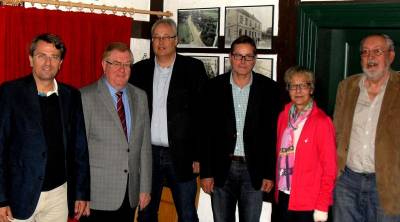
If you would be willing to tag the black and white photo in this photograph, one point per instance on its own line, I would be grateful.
(211, 64)
(198, 28)
(254, 21)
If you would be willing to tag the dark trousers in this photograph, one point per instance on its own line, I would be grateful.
(124, 214)
(286, 215)
(183, 193)
(237, 190)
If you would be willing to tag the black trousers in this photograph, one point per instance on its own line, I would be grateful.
(286, 215)
(124, 214)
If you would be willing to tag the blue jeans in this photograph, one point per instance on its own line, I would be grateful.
(237, 189)
(356, 199)
(183, 193)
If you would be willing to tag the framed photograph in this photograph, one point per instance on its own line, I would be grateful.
(140, 49)
(254, 21)
(198, 28)
(211, 64)
(264, 65)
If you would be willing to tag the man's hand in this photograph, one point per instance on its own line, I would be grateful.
(81, 208)
(267, 185)
(5, 214)
(144, 200)
(196, 167)
(207, 184)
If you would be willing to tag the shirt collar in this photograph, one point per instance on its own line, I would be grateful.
(168, 67)
(49, 93)
(112, 90)
(234, 84)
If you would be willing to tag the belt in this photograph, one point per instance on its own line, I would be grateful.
(159, 147)
(241, 159)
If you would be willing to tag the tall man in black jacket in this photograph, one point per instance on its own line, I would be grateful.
(173, 83)
(240, 111)
(44, 159)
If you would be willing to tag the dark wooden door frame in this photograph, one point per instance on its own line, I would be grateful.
(313, 16)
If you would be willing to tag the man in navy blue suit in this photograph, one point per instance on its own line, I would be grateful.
(44, 165)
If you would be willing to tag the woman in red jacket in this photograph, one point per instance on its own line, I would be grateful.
(306, 153)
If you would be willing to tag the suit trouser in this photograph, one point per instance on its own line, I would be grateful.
(52, 206)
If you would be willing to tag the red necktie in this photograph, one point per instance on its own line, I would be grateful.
(121, 112)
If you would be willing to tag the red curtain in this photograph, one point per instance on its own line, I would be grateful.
(85, 35)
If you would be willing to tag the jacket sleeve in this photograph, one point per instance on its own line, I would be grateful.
(199, 84)
(4, 134)
(145, 151)
(79, 151)
(339, 108)
(327, 157)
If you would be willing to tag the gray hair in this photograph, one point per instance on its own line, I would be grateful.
(165, 21)
(299, 70)
(388, 40)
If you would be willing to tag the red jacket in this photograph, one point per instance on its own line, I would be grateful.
(315, 168)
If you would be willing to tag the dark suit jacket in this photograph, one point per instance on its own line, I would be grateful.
(188, 77)
(23, 149)
(259, 131)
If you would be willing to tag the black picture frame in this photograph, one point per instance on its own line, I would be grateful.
(254, 21)
(198, 27)
(211, 64)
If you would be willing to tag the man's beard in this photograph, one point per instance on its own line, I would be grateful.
(374, 75)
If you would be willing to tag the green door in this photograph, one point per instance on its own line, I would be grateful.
(329, 41)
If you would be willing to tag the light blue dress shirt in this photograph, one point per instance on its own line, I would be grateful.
(240, 99)
(159, 123)
(125, 100)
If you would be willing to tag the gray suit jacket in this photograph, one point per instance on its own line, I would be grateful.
(111, 157)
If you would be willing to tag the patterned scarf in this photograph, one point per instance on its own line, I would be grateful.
(287, 152)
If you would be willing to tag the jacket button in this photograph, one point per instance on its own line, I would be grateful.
(127, 150)
(43, 154)
(40, 178)
(125, 171)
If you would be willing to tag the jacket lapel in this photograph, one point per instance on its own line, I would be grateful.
(109, 104)
(133, 110)
(32, 101)
(388, 102)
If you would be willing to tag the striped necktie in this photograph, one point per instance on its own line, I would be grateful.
(121, 112)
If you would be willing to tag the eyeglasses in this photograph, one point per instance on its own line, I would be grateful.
(247, 58)
(162, 38)
(300, 86)
(374, 52)
(43, 57)
(119, 64)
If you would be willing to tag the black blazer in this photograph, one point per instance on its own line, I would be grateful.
(188, 78)
(259, 131)
(23, 149)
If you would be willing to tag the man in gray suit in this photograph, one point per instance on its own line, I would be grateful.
(118, 133)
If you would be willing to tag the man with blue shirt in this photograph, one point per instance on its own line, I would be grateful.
(118, 133)
(240, 111)
(172, 83)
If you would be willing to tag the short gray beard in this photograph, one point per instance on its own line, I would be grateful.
(377, 74)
